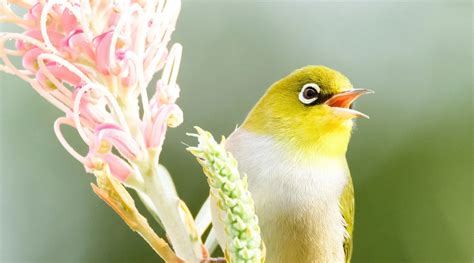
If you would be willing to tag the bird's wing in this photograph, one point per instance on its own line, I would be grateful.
(346, 204)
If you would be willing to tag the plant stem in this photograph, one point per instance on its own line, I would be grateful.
(167, 202)
(118, 198)
(158, 244)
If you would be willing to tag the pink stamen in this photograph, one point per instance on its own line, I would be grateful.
(68, 21)
(118, 167)
(114, 134)
(156, 135)
(57, 130)
(29, 59)
(55, 37)
(102, 46)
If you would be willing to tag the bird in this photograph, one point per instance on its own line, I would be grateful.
(292, 147)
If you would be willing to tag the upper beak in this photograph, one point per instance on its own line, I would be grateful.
(341, 103)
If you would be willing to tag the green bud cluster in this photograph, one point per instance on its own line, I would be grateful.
(244, 243)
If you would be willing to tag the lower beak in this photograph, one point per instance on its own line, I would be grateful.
(341, 103)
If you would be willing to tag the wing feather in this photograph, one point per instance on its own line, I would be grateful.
(347, 207)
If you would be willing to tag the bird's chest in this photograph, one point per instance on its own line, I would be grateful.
(297, 204)
(300, 219)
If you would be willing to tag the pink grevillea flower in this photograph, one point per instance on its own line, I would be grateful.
(94, 60)
(107, 136)
(85, 57)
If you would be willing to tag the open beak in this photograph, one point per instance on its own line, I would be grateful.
(341, 103)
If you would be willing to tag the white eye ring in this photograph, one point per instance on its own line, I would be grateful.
(304, 98)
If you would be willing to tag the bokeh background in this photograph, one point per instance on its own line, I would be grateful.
(412, 162)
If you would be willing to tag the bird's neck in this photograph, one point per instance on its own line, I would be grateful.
(326, 139)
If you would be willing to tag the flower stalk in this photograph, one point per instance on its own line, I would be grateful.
(173, 214)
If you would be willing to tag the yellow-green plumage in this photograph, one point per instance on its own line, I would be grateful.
(292, 147)
(311, 129)
(348, 209)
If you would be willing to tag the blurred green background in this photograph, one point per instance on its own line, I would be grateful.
(412, 162)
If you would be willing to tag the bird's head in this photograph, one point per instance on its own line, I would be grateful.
(310, 111)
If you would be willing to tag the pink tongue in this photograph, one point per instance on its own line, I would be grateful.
(341, 102)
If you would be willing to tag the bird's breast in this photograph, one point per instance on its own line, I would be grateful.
(296, 198)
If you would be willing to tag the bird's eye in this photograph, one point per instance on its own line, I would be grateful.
(309, 93)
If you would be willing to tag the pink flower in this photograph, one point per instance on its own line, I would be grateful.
(94, 64)
(117, 137)
(59, 72)
(88, 107)
(34, 13)
(30, 59)
(76, 44)
(54, 36)
(118, 167)
(166, 115)
(94, 60)
(107, 136)
(68, 21)
(102, 48)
